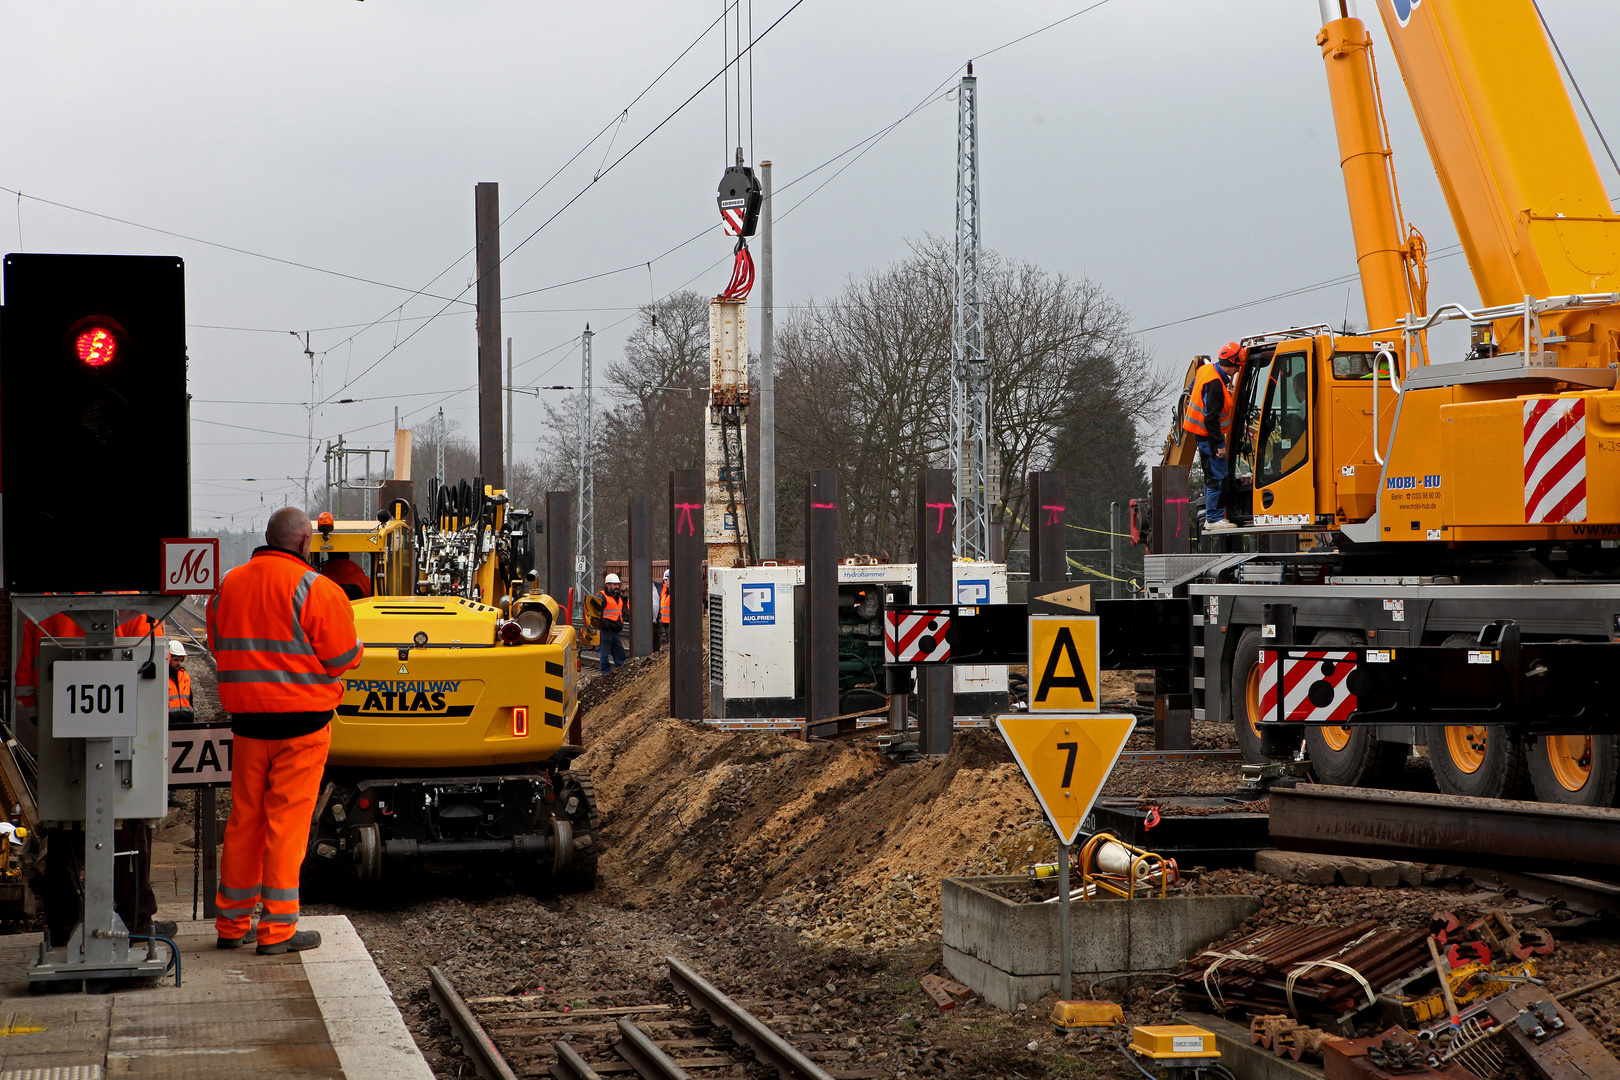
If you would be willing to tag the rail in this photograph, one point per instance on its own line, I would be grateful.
(648, 1057)
(487, 1060)
(1505, 834)
(769, 1047)
(644, 1056)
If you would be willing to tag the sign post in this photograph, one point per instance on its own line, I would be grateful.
(1066, 759)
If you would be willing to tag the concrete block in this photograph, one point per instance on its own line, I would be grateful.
(1381, 873)
(1351, 871)
(1296, 866)
(1308, 868)
(1010, 952)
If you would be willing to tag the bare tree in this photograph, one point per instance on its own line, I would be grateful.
(650, 422)
(864, 385)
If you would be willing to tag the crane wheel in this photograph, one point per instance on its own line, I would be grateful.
(1480, 762)
(1576, 770)
(1243, 696)
(1351, 756)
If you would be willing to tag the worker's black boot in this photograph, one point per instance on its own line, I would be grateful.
(303, 939)
(249, 938)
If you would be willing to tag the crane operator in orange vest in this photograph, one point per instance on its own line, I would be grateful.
(1209, 417)
(610, 646)
(282, 636)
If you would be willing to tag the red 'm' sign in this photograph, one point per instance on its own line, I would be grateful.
(190, 565)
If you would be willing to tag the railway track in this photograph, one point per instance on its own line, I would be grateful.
(656, 1041)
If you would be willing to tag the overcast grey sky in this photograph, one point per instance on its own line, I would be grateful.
(1180, 152)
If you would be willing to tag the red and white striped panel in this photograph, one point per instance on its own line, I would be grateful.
(1313, 686)
(733, 218)
(916, 636)
(1554, 460)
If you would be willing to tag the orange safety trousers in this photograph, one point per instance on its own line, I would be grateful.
(274, 783)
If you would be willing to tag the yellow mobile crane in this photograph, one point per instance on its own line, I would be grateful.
(450, 740)
(1442, 532)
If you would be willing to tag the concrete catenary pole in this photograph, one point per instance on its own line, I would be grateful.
(639, 516)
(687, 594)
(487, 215)
(511, 415)
(560, 548)
(935, 531)
(821, 589)
(767, 374)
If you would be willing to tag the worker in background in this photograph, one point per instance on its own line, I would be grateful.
(610, 647)
(346, 573)
(282, 635)
(133, 898)
(181, 710)
(1209, 417)
(661, 624)
(180, 707)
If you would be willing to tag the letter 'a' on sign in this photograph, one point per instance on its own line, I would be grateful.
(1066, 760)
(1065, 662)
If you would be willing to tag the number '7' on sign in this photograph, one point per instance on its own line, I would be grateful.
(1066, 760)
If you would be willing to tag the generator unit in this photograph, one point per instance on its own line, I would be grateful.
(759, 637)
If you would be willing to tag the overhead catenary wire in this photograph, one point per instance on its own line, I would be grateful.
(575, 198)
(206, 243)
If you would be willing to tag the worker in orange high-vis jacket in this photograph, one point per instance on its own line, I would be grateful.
(609, 645)
(661, 624)
(282, 635)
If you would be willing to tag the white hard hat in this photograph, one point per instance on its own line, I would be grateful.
(611, 579)
(176, 647)
(666, 575)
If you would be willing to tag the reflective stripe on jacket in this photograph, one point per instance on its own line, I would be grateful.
(612, 612)
(1195, 420)
(281, 635)
(180, 689)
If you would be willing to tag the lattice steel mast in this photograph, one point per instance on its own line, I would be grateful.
(585, 541)
(970, 374)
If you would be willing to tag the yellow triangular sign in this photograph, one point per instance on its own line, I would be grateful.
(1066, 760)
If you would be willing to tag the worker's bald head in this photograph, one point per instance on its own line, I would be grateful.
(289, 530)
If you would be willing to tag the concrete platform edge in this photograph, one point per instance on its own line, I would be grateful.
(365, 1025)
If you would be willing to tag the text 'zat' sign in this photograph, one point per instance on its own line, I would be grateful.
(1065, 661)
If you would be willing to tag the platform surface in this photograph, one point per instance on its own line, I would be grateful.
(319, 1015)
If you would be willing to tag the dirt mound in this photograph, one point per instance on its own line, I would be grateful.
(841, 843)
(833, 839)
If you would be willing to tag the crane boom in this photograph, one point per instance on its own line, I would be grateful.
(1518, 175)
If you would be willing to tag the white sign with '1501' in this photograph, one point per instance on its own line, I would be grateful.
(94, 699)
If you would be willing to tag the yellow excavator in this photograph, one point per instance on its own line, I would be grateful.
(1390, 494)
(451, 740)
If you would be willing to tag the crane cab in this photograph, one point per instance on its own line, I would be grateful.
(1305, 443)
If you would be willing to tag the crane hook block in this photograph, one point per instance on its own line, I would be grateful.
(739, 200)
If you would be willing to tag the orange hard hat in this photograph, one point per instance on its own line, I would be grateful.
(1232, 353)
